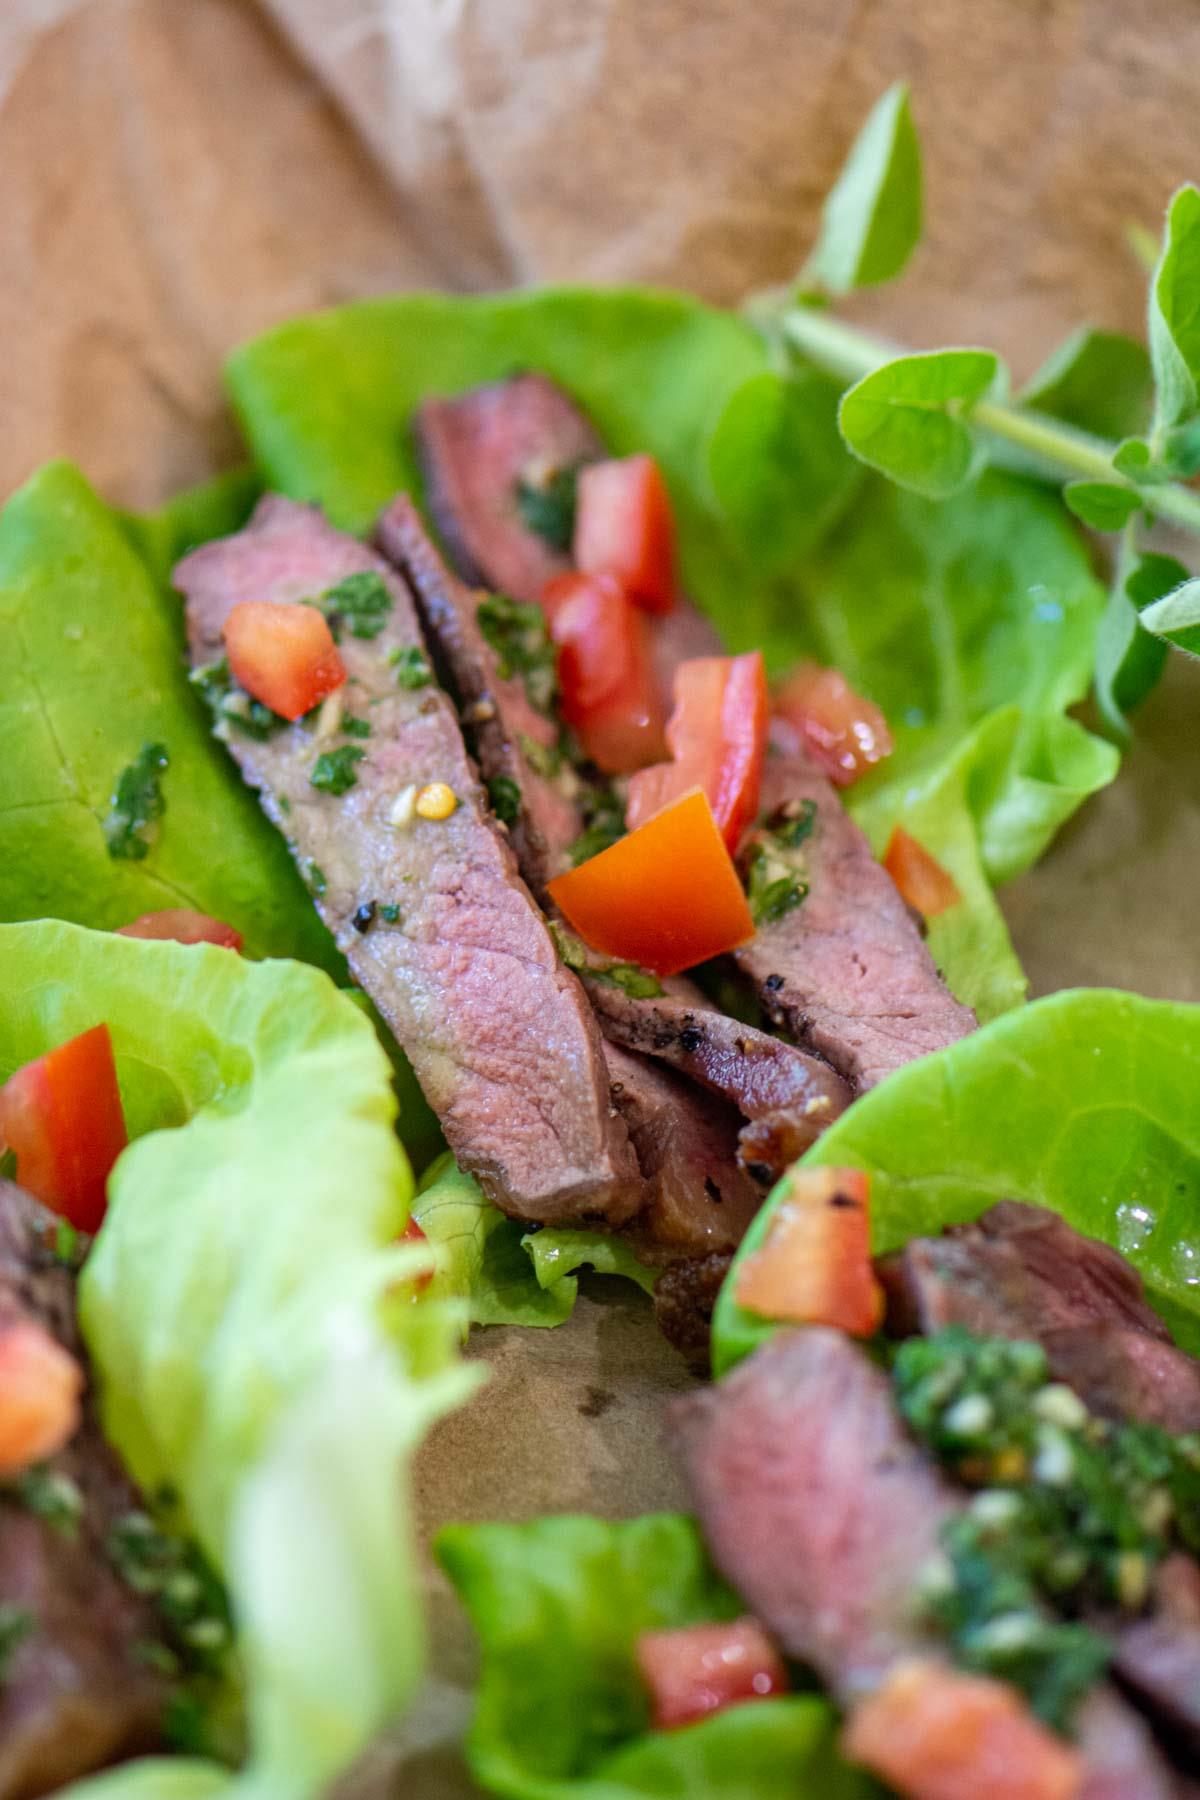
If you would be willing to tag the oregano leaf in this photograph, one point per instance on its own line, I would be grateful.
(1129, 659)
(1104, 505)
(871, 222)
(1175, 314)
(1100, 381)
(1176, 617)
(909, 418)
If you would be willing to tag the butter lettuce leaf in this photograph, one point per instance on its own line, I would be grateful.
(93, 670)
(1083, 1102)
(558, 1605)
(250, 1317)
(503, 1273)
(946, 614)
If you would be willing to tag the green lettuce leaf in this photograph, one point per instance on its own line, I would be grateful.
(92, 671)
(240, 1304)
(503, 1273)
(213, 509)
(558, 1605)
(945, 614)
(1083, 1102)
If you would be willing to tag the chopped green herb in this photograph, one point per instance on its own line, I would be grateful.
(173, 1573)
(545, 760)
(390, 913)
(360, 603)
(137, 804)
(356, 728)
(52, 1497)
(1074, 1515)
(156, 1656)
(505, 797)
(604, 814)
(66, 1243)
(547, 507)
(285, 805)
(334, 770)
(232, 705)
(792, 828)
(8, 1165)
(631, 979)
(314, 877)
(772, 888)
(411, 666)
(517, 633)
(15, 1626)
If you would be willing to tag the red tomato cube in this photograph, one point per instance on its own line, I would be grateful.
(814, 1265)
(61, 1116)
(181, 925)
(922, 881)
(624, 527)
(283, 655)
(702, 1668)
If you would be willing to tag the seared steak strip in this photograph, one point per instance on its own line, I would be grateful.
(1022, 1272)
(1158, 1658)
(845, 972)
(821, 1512)
(788, 1096)
(477, 452)
(430, 913)
(77, 1692)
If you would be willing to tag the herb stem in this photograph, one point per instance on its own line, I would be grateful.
(1059, 449)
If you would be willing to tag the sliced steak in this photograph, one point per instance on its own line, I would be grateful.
(846, 972)
(684, 1297)
(76, 1692)
(816, 1504)
(820, 1510)
(507, 730)
(1022, 1272)
(476, 450)
(1157, 1658)
(701, 1199)
(787, 1096)
(465, 973)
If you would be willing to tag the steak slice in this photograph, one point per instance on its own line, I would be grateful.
(816, 1504)
(701, 1200)
(507, 730)
(76, 1693)
(475, 451)
(1022, 1272)
(465, 972)
(846, 972)
(787, 1096)
(684, 1297)
(820, 1510)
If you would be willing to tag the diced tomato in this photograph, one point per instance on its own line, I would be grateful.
(61, 1116)
(814, 1266)
(703, 1668)
(412, 1234)
(284, 656)
(717, 736)
(667, 896)
(845, 732)
(180, 925)
(40, 1389)
(608, 692)
(921, 880)
(935, 1733)
(624, 527)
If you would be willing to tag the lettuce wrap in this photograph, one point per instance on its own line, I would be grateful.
(251, 1321)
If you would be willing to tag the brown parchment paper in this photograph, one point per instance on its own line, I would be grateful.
(177, 174)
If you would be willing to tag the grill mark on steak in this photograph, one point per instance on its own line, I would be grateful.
(846, 972)
(1022, 1272)
(474, 450)
(76, 1694)
(820, 1510)
(499, 1033)
(787, 1096)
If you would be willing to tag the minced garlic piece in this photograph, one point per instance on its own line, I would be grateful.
(436, 801)
(403, 808)
(329, 719)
